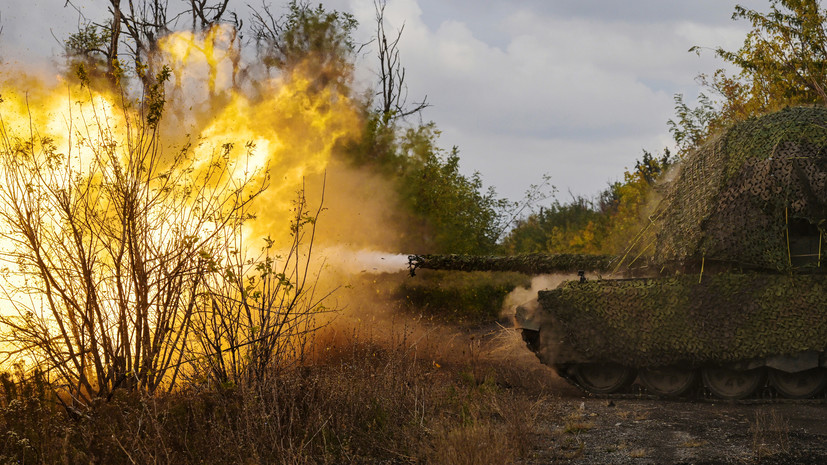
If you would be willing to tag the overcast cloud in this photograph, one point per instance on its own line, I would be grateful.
(573, 88)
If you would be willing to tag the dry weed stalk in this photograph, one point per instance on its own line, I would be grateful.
(770, 433)
(256, 314)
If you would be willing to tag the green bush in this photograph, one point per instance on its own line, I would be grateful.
(458, 297)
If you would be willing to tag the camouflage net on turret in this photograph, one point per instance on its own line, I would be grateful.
(726, 317)
(733, 199)
(532, 264)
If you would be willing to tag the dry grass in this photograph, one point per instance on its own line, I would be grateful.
(770, 433)
(571, 447)
(633, 415)
(638, 453)
(577, 426)
(570, 444)
(471, 445)
(358, 402)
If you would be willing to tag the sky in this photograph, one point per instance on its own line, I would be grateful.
(572, 89)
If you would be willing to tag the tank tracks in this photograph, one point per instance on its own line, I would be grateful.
(763, 396)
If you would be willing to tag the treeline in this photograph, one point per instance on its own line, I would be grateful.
(440, 209)
(783, 62)
(592, 226)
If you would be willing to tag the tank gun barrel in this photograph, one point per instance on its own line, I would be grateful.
(528, 264)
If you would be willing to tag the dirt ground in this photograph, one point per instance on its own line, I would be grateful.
(575, 428)
(572, 427)
(581, 430)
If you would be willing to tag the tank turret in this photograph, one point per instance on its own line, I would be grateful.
(755, 197)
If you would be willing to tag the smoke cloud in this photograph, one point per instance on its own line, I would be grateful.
(527, 297)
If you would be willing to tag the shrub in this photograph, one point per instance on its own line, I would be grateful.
(467, 297)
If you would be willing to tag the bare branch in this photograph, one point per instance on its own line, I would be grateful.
(394, 91)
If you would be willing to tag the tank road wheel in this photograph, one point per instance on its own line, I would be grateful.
(732, 384)
(669, 381)
(604, 378)
(801, 385)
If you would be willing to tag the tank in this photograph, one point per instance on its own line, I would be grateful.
(724, 287)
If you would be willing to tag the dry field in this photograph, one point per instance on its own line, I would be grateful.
(418, 393)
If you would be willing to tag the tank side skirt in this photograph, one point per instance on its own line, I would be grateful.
(727, 319)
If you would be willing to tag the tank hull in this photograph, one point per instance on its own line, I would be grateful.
(742, 322)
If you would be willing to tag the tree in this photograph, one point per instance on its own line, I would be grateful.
(573, 227)
(206, 14)
(138, 26)
(693, 124)
(88, 54)
(318, 40)
(394, 91)
(456, 214)
(782, 62)
(114, 240)
(377, 144)
(784, 57)
(601, 226)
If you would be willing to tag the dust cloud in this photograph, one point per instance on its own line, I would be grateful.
(347, 261)
(523, 295)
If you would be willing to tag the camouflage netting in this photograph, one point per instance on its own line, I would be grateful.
(727, 317)
(528, 264)
(754, 198)
(734, 198)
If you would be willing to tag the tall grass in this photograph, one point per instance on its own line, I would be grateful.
(770, 434)
(358, 401)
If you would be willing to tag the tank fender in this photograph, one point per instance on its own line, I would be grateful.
(794, 363)
(745, 365)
